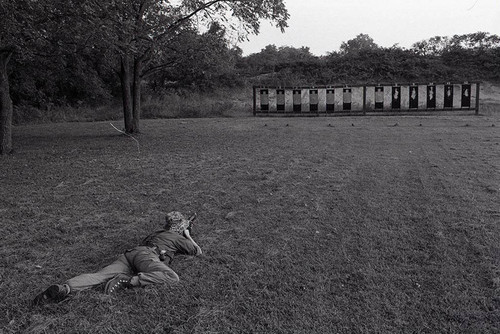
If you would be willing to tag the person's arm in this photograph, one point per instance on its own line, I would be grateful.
(188, 236)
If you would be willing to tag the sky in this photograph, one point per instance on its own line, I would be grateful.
(322, 25)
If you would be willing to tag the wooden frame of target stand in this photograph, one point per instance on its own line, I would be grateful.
(373, 99)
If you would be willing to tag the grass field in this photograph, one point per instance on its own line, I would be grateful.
(324, 225)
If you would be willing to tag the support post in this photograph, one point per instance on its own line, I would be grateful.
(477, 97)
(254, 101)
(364, 100)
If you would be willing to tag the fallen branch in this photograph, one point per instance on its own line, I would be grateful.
(137, 142)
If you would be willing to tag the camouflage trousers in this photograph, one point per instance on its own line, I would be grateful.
(141, 261)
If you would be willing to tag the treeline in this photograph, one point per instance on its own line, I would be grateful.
(203, 62)
(473, 56)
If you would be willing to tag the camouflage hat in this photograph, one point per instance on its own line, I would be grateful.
(178, 223)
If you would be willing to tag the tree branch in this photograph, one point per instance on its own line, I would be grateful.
(181, 20)
(158, 68)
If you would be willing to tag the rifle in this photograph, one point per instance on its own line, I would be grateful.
(190, 221)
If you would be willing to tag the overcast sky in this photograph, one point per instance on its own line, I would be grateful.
(322, 25)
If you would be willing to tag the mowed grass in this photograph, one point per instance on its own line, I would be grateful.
(323, 225)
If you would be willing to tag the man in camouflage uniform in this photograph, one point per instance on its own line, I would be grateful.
(143, 265)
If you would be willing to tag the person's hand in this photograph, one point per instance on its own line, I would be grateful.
(188, 236)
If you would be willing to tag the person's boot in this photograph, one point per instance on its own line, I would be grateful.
(53, 294)
(117, 283)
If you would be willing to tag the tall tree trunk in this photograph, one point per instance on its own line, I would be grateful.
(126, 94)
(5, 105)
(137, 94)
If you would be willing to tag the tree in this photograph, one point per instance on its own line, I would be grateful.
(288, 54)
(14, 16)
(432, 47)
(472, 56)
(195, 60)
(437, 45)
(272, 59)
(33, 29)
(140, 32)
(475, 41)
(136, 35)
(5, 103)
(362, 42)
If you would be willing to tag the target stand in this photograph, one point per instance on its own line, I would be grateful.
(393, 98)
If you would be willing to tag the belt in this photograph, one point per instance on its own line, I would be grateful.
(156, 249)
(162, 254)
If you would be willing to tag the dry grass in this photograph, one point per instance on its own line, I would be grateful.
(369, 225)
(221, 102)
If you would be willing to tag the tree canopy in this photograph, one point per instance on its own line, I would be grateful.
(89, 39)
(362, 42)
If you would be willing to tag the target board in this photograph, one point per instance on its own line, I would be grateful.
(376, 98)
